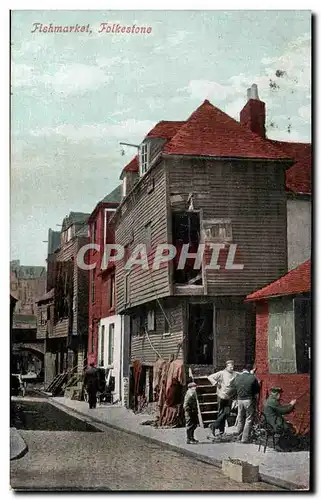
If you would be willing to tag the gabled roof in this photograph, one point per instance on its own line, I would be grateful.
(295, 282)
(113, 197)
(211, 132)
(132, 166)
(74, 218)
(298, 177)
(47, 296)
(165, 129)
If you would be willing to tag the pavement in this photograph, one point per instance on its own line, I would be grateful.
(18, 446)
(285, 470)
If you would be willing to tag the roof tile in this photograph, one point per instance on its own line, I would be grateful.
(211, 132)
(298, 177)
(294, 282)
(165, 129)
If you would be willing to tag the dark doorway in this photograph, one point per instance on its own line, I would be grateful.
(302, 308)
(186, 230)
(200, 334)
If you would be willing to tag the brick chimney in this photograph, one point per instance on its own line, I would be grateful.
(253, 113)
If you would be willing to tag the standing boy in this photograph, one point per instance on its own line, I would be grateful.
(191, 415)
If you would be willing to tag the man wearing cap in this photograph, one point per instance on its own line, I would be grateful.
(222, 380)
(191, 415)
(274, 412)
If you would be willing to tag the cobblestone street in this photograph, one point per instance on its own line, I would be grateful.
(112, 460)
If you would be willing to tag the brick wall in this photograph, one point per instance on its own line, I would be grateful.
(100, 308)
(295, 386)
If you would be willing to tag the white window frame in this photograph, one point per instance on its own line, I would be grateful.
(111, 344)
(144, 151)
(69, 234)
(101, 354)
(207, 223)
(151, 324)
(124, 186)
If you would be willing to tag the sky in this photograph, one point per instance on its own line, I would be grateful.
(75, 96)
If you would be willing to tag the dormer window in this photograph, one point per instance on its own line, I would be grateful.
(124, 186)
(144, 158)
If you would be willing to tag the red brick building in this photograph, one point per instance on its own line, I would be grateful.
(283, 339)
(104, 327)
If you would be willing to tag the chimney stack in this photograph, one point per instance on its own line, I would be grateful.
(253, 113)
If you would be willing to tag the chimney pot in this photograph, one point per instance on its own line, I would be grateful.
(254, 92)
(253, 113)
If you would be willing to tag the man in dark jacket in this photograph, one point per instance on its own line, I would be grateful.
(246, 387)
(191, 414)
(91, 384)
(274, 412)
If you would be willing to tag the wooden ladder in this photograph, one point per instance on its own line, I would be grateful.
(206, 397)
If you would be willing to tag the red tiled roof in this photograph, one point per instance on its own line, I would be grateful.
(298, 177)
(162, 130)
(132, 166)
(296, 281)
(165, 129)
(211, 132)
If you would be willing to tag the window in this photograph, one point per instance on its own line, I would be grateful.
(218, 230)
(111, 344)
(112, 292)
(136, 325)
(124, 187)
(102, 346)
(151, 320)
(148, 236)
(144, 158)
(48, 312)
(166, 325)
(186, 231)
(69, 233)
(93, 286)
(302, 311)
(289, 335)
(43, 317)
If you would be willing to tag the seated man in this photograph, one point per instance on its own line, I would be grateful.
(274, 412)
